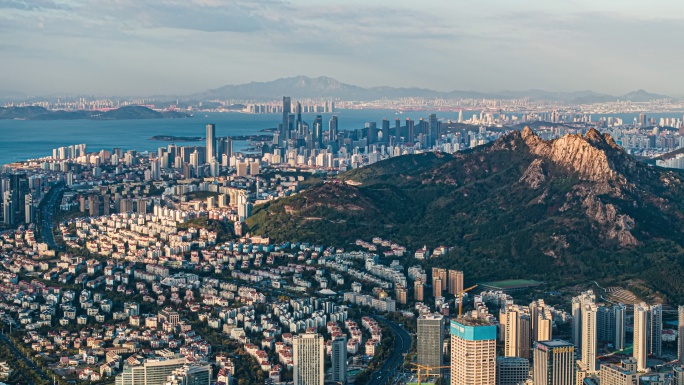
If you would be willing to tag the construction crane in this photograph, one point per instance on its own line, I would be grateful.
(460, 299)
(426, 371)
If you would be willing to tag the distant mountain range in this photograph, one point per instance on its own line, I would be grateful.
(325, 87)
(128, 112)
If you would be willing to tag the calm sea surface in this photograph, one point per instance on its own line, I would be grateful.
(26, 139)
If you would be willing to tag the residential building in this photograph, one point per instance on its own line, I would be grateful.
(473, 352)
(308, 362)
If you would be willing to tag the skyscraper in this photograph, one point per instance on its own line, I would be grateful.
(434, 129)
(473, 352)
(339, 359)
(641, 335)
(554, 363)
(385, 130)
(411, 133)
(619, 312)
(430, 338)
(577, 307)
(298, 113)
(656, 330)
(211, 142)
(332, 129)
(680, 335)
(7, 208)
(308, 361)
(372, 132)
(542, 321)
(285, 126)
(29, 211)
(317, 134)
(515, 321)
(589, 337)
(225, 147)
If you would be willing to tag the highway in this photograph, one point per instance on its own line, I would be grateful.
(21, 356)
(46, 216)
(402, 344)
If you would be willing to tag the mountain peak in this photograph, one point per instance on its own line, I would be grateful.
(590, 156)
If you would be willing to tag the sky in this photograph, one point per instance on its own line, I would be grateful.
(175, 47)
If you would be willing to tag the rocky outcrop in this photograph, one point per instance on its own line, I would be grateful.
(592, 157)
(616, 226)
(587, 155)
(534, 175)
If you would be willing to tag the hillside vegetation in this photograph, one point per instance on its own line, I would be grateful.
(563, 211)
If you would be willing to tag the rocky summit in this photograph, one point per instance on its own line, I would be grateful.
(568, 210)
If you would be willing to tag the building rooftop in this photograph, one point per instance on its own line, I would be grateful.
(470, 321)
(555, 343)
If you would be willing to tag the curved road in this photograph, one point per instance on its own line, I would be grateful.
(402, 344)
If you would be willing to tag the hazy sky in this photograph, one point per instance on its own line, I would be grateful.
(144, 47)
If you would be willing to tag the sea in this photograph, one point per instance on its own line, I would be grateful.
(30, 139)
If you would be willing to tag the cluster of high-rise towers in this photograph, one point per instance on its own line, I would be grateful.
(293, 132)
(532, 356)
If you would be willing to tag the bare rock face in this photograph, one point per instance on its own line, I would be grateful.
(617, 226)
(585, 155)
(589, 157)
(534, 175)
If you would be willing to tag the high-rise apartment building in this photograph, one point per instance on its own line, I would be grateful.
(455, 281)
(339, 359)
(578, 303)
(401, 295)
(641, 331)
(430, 338)
(680, 335)
(437, 285)
(605, 319)
(619, 312)
(473, 352)
(211, 142)
(29, 210)
(589, 337)
(308, 360)
(418, 289)
(656, 330)
(554, 363)
(515, 321)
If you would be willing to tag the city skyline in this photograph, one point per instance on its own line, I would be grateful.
(488, 47)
